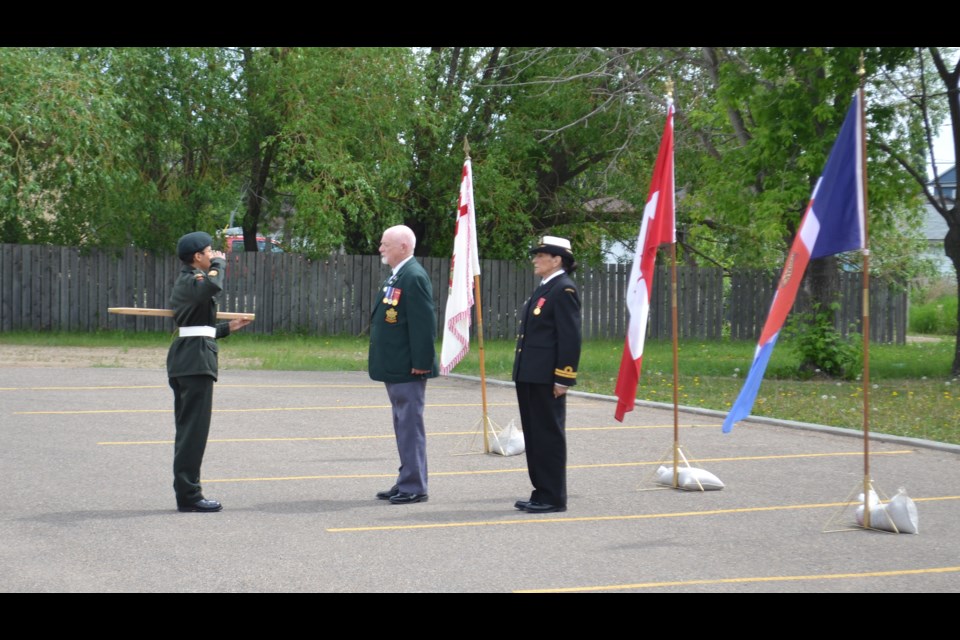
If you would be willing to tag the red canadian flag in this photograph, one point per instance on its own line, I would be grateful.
(657, 228)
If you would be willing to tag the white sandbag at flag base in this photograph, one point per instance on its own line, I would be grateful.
(508, 442)
(898, 516)
(689, 478)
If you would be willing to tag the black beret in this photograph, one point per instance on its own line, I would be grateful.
(193, 242)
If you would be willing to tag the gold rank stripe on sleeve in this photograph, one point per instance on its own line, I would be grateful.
(566, 372)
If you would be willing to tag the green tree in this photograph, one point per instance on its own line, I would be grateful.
(548, 145)
(930, 91)
(343, 155)
(180, 106)
(116, 146)
(64, 150)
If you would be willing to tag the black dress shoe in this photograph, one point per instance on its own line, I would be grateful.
(389, 493)
(540, 507)
(202, 506)
(522, 504)
(408, 498)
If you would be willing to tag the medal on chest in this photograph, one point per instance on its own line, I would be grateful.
(539, 306)
(391, 296)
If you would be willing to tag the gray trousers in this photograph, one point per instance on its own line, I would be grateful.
(407, 401)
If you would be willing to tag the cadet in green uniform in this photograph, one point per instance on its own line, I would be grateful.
(544, 367)
(192, 362)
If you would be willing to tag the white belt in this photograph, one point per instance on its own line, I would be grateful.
(189, 332)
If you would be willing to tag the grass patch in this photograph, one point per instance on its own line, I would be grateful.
(936, 317)
(911, 392)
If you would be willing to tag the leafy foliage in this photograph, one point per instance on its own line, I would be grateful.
(937, 316)
(326, 146)
(821, 348)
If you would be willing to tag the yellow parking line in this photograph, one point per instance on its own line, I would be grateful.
(566, 520)
(354, 476)
(219, 386)
(747, 580)
(98, 388)
(258, 410)
(602, 465)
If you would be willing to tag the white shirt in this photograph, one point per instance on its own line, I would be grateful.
(551, 276)
(403, 262)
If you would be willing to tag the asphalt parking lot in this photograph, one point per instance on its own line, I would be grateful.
(296, 458)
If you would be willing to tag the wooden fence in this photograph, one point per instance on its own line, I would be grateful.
(46, 288)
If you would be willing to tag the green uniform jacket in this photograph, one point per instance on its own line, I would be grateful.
(194, 305)
(402, 335)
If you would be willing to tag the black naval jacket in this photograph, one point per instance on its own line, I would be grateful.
(194, 305)
(548, 341)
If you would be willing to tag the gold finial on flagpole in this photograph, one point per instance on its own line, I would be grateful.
(670, 89)
(466, 146)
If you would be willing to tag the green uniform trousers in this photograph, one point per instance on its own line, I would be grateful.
(192, 406)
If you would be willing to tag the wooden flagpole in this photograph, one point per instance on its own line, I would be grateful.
(476, 293)
(676, 366)
(483, 374)
(866, 304)
(676, 348)
(479, 308)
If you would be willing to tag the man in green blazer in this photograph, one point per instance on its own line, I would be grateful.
(403, 330)
(192, 365)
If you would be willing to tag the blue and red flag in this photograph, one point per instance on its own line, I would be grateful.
(833, 223)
